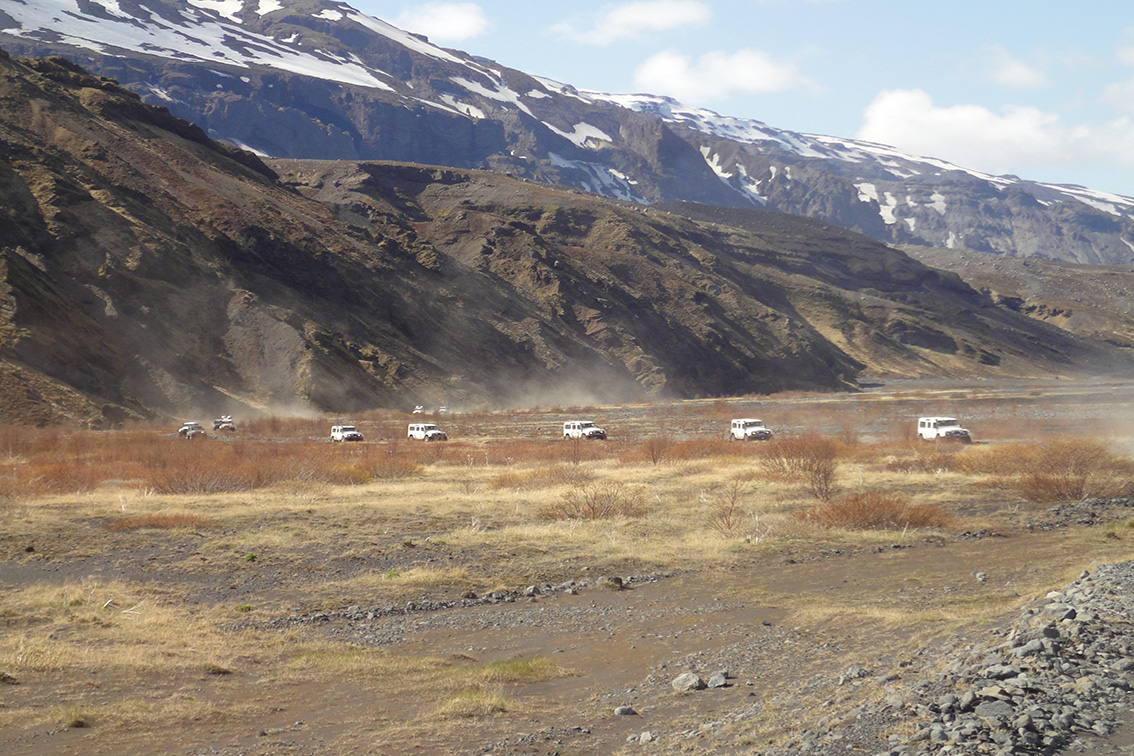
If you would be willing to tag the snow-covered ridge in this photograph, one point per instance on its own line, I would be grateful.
(900, 165)
(217, 32)
(204, 30)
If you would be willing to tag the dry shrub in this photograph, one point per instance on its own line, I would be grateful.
(926, 458)
(1003, 460)
(727, 513)
(393, 468)
(197, 479)
(596, 500)
(874, 510)
(810, 459)
(1057, 469)
(1073, 469)
(706, 448)
(542, 477)
(523, 452)
(345, 473)
(656, 449)
(160, 520)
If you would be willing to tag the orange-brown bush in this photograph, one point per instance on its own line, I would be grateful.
(1072, 469)
(656, 449)
(874, 510)
(596, 500)
(808, 458)
(1065, 468)
(163, 520)
(706, 448)
(922, 457)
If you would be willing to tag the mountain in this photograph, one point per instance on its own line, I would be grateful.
(320, 80)
(147, 270)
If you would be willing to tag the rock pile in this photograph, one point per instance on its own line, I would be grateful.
(1064, 670)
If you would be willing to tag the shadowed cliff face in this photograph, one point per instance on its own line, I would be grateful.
(146, 270)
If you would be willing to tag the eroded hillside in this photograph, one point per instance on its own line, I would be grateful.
(149, 271)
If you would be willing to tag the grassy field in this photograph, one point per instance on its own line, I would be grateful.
(144, 576)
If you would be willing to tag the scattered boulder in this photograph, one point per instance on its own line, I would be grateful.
(610, 583)
(686, 682)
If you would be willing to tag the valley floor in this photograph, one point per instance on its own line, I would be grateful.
(439, 614)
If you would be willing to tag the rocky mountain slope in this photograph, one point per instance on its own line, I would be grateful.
(149, 270)
(318, 79)
(1092, 301)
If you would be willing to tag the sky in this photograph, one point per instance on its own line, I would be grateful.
(1042, 89)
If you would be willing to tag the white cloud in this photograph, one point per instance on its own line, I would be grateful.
(1009, 71)
(635, 20)
(716, 75)
(1120, 95)
(444, 22)
(1021, 140)
(1124, 53)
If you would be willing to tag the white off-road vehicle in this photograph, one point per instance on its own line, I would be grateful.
(942, 429)
(426, 432)
(583, 429)
(749, 429)
(345, 433)
(191, 429)
(224, 424)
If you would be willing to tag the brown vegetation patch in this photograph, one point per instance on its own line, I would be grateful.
(875, 510)
(160, 520)
(598, 500)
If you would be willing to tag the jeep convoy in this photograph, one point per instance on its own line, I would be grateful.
(749, 429)
(426, 432)
(933, 428)
(942, 429)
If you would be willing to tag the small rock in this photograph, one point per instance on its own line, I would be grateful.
(624, 711)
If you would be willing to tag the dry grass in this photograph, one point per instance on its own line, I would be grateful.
(385, 522)
(160, 520)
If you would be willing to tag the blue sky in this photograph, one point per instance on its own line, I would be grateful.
(1041, 89)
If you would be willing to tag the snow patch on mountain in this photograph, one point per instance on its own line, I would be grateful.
(226, 8)
(472, 111)
(598, 178)
(582, 134)
(714, 162)
(501, 94)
